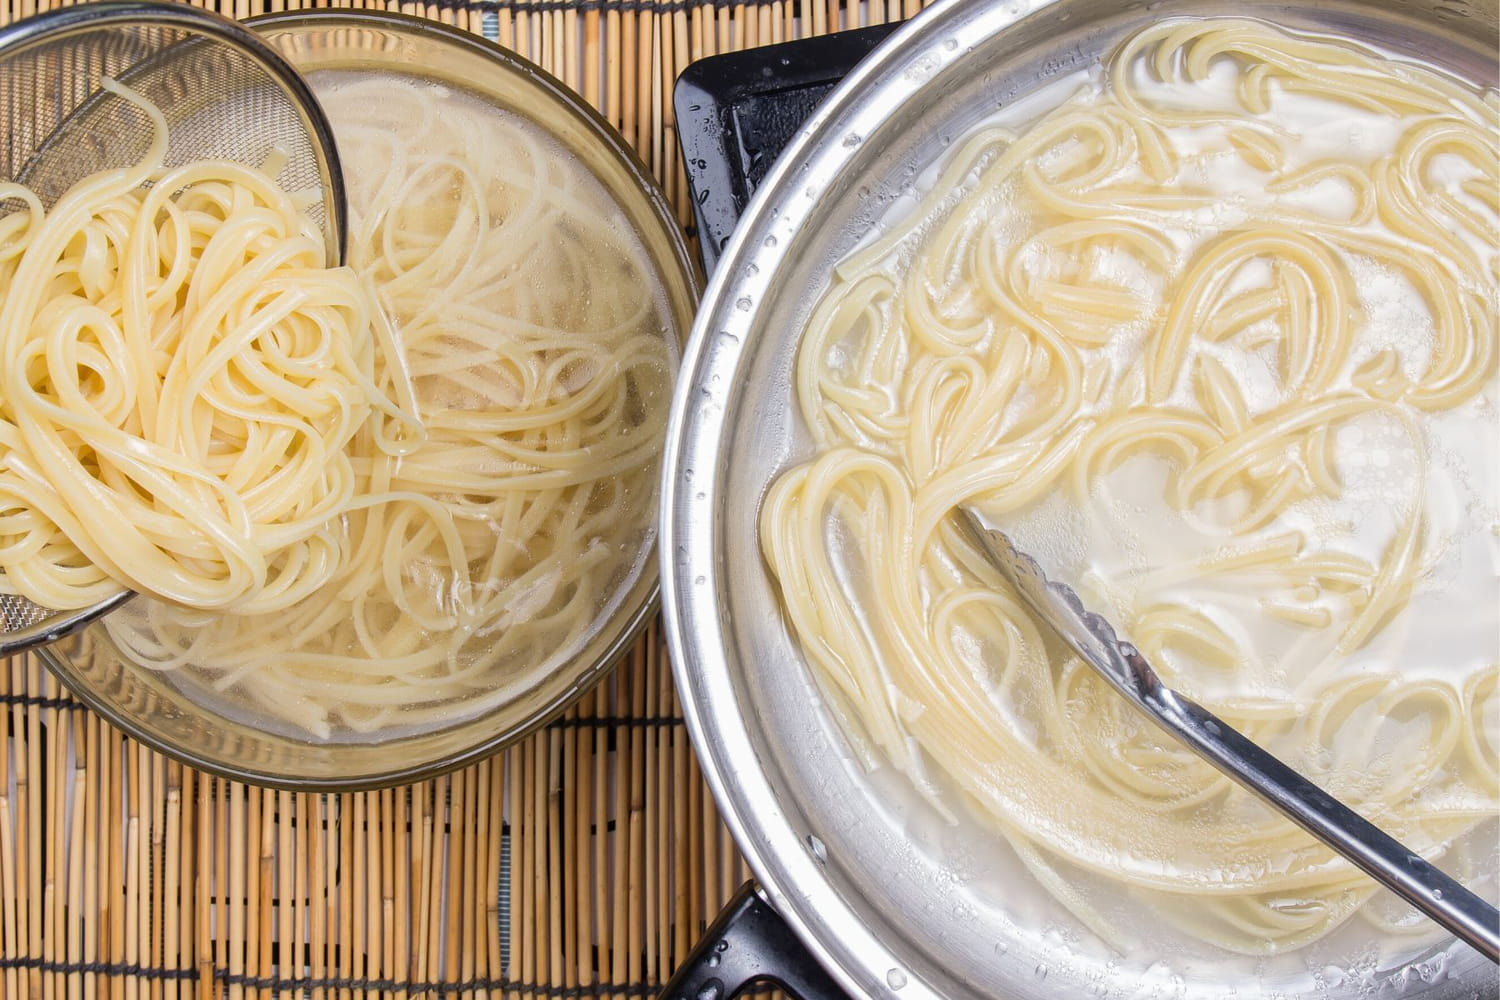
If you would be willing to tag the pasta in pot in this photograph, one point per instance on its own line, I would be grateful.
(1217, 337)
(502, 511)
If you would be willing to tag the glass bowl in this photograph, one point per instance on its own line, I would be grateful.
(183, 717)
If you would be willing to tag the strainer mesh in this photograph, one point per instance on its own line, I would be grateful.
(217, 94)
(219, 102)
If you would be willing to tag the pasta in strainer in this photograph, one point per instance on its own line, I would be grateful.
(182, 374)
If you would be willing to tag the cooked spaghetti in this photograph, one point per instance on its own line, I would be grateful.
(501, 511)
(182, 375)
(1217, 339)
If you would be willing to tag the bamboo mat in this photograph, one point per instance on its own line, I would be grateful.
(583, 862)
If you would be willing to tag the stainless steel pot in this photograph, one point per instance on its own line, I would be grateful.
(891, 899)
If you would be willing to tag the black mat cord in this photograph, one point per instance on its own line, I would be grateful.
(305, 983)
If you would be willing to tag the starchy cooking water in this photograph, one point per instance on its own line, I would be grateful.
(1211, 331)
(505, 482)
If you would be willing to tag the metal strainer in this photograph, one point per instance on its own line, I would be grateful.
(225, 95)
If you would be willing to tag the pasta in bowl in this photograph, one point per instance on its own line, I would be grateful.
(493, 549)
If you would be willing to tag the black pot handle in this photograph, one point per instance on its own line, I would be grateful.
(749, 944)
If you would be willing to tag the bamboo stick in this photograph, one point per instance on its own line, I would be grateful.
(11, 757)
(401, 862)
(315, 848)
(537, 836)
(636, 818)
(569, 66)
(648, 115)
(265, 886)
(52, 929)
(479, 883)
(222, 837)
(700, 892)
(579, 767)
(599, 816)
(459, 822)
(112, 893)
(129, 914)
(572, 793)
(204, 840)
(91, 734)
(191, 874)
(629, 67)
(245, 885)
(235, 891)
(34, 815)
(422, 832)
(516, 902)
(286, 880)
(356, 883)
(155, 810)
(681, 54)
(593, 60)
(372, 954)
(170, 871)
(299, 958)
(656, 868)
(685, 854)
(552, 874)
(494, 846)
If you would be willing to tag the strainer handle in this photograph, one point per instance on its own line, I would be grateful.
(58, 626)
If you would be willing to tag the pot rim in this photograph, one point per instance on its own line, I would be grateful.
(694, 574)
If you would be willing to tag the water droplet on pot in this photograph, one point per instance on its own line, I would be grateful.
(895, 979)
